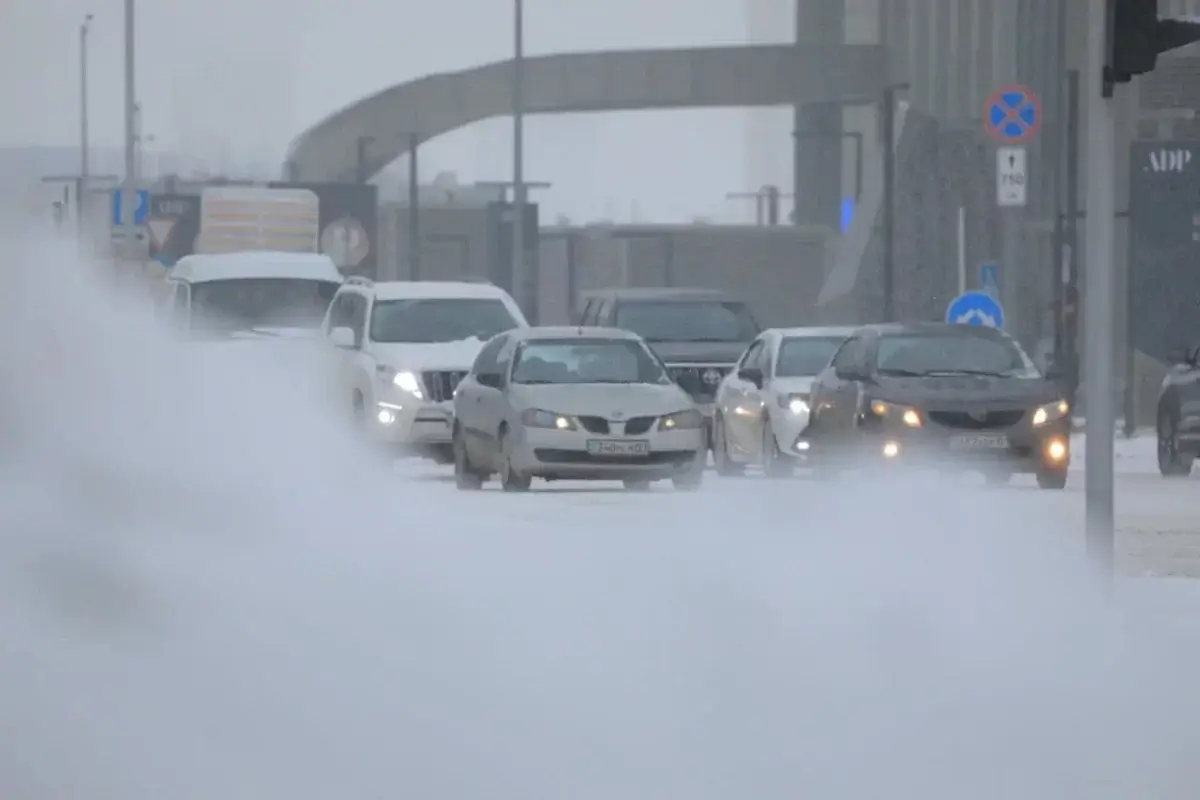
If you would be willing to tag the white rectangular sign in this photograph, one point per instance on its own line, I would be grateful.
(1012, 177)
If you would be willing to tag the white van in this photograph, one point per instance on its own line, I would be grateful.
(264, 293)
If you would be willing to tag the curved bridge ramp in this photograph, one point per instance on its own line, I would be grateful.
(383, 125)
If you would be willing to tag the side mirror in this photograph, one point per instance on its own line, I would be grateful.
(850, 373)
(752, 375)
(488, 379)
(342, 337)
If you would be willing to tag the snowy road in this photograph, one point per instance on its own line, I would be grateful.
(1158, 521)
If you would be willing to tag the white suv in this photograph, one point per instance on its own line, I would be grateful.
(405, 345)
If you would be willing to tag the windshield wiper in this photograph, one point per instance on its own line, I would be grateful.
(902, 373)
(987, 373)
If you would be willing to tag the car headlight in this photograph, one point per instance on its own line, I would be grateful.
(1050, 412)
(797, 404)
(691, 419)
(909, 416)
(407, 382)
(537, 418)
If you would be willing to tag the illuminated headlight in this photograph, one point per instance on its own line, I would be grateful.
(407, 382)
(909, 416)
(682, 421)
(1051, 412)
(797, 404)
(536, 418)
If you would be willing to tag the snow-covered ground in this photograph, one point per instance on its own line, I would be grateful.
(1131, 456)
(212, 591)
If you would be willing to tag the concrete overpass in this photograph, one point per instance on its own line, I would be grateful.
(380, 128)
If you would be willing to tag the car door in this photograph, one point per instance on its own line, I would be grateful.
(744, 402)
(469, 408)
(1187, 389)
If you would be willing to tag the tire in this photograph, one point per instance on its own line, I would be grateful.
(510, 479)
(358, 411)
(726, 467)
(637, 486)
(773, 463)
(1171, 463)
(1052, 479)
(441, 454)
(465, 475)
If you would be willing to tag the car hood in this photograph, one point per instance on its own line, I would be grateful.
(675, 353)
(792, 385)
(967, 390)
(603, 400)
(456, 356)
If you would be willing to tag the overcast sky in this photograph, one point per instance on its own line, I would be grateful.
(235, 80)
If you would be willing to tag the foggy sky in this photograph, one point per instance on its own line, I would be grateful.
(230, 80)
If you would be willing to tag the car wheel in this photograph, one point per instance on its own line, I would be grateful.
(773, 463)
(637, 486)
(1171, 462)
(465, 476)
(1052, 478)
(510, 479)
(726, 467)
(358, 411)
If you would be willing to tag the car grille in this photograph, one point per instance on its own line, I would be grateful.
(634, 426)
(977, 421)
(440, 384)
(700, 380)
(594, 424)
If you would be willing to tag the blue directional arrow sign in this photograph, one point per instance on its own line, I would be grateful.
(975, 308)
(140, 214)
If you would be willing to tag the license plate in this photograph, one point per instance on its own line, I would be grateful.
(617, 447)
(980, 441)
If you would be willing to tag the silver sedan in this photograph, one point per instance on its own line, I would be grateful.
(762, 405)
(574, 403)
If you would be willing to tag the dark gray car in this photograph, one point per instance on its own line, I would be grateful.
(698, 333)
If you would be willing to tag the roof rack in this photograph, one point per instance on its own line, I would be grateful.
(359, 280)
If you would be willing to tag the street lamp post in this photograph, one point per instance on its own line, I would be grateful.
(81, 190)
(518, 90)
(129, 189)
(889, 200)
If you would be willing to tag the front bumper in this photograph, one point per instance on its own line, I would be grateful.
(566, 455)
(1021, 448)
(411, 422)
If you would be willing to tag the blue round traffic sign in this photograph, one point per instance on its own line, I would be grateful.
(975, 308)
(1013, 114)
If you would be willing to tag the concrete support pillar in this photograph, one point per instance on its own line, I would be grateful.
(817, 130)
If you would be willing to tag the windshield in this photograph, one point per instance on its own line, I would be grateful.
(425, 321)
(239, 304)
(804, 356)
(698, 321)
(572, 361)
(957, 354)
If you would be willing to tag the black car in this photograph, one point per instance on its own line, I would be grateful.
(946, 394)
(698, 333)
(1178, 416)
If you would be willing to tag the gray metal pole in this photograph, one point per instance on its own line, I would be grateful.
(518, 112)
(84, 135)
(1071, 234)
(414, 209)
(889, 204)
(129, 190)
(1099, 299)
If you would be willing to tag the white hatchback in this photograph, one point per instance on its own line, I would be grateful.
(574, 403)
